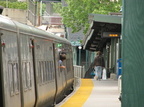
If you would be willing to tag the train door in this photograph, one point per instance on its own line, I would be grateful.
(10, 92)
(63, 72)
(27, 69)
(44, 71)
(60, 76)
(65, 62)
(27, 85)
(1, 76)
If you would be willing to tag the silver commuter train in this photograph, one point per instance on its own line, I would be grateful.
(30, 75)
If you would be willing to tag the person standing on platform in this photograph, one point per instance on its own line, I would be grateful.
(99, 65)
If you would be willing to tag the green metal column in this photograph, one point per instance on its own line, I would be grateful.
(112, 55)
(133, 54)
(79, 59)
(86, 66)
(74, 55)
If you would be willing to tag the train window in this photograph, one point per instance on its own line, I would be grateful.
(13, 78)
(39, 71)
(49, 71)
(16, 82)
(10, 72)
(49, 76)
(52, 70)
(24, 75)
(28, 74)
(44, 72)
(46, 68)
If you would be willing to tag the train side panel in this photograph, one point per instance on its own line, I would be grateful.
(60, 73)
(28, 85)
(10, 69)
(45, 72)
(64, 77)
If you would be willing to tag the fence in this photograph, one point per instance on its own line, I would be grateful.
(79, 71)
(32, 12)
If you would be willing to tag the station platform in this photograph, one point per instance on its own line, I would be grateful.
(93, 93)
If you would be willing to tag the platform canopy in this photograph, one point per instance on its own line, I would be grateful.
(102, 29)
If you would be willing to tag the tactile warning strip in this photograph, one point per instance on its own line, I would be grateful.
(81, 95)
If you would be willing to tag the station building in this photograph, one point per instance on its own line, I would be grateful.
(104, 35)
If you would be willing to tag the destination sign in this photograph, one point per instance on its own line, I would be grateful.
(110, 34)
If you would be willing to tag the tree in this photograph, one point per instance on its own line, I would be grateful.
(14, 5)
(75, 15)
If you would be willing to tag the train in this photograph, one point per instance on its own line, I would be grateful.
(30, 75)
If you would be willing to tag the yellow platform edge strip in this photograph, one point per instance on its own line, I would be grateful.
(81, 95)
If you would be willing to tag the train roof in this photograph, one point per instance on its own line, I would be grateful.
(11, 25)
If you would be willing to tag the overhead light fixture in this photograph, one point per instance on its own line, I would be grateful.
(93, 48)
(79, 47)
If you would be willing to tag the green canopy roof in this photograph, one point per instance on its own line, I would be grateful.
(106, 18)
(93, 40)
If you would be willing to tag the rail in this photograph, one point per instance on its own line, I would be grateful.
(79, 71)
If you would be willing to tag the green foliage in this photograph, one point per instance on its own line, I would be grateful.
(43, 8)
(75, 15)
(57, 7)
(14, 5)
(2, 3)
(10, 0)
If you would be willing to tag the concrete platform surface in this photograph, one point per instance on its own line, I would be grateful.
(103, 93)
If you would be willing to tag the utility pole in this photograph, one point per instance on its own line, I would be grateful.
(6, 3)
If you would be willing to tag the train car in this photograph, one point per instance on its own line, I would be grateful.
(30, 75)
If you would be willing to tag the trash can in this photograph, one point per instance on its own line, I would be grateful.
(119, 67)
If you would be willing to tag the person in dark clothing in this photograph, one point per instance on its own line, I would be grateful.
(98, 65)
